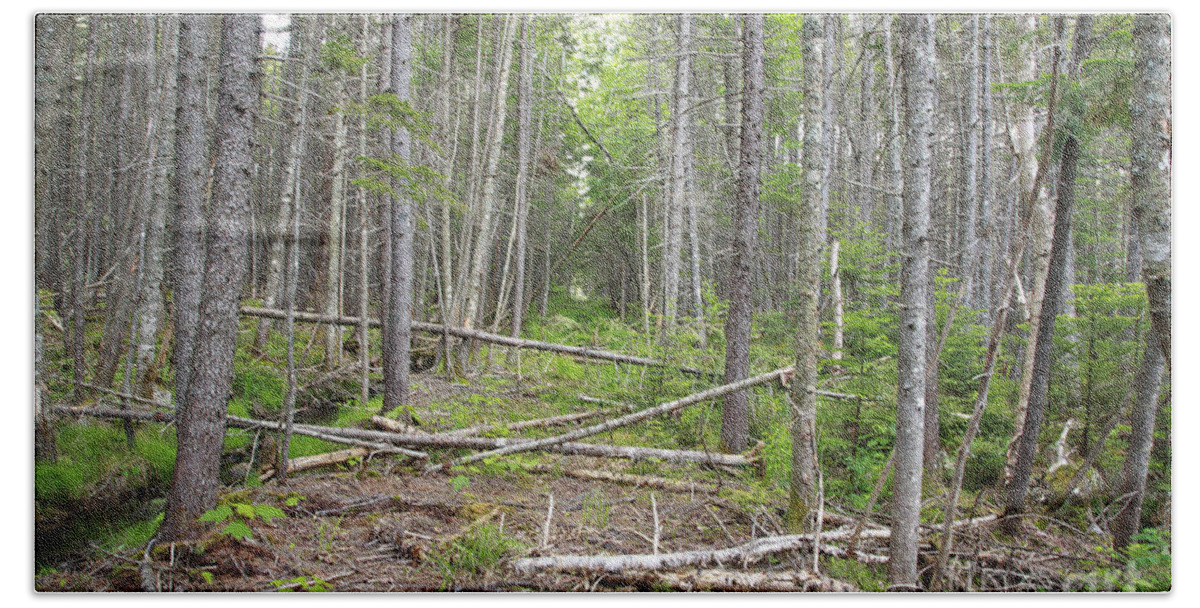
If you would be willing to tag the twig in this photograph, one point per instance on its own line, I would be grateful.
(546, 527)
(657, 529)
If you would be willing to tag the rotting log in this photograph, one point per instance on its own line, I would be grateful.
(483, 336)
(342, 435)
(626, 420)
(305, 463)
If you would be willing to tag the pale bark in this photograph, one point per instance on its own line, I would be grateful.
(1128, 521)
(397, 317)
(673, 227)
(159, 199)
(331, 300)
(917, 57)
(735, 411)
(201, 425)
(1150, 112)
(524, 126)
(802, 397)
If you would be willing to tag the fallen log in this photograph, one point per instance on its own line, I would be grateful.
(483, 336)
(730, 580)
(627, 420)
(741, 554)
(357, 436)
(305, 463)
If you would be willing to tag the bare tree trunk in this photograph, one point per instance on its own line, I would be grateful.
(191, 168)
(673, 228)
(483, 243)
(159, 198)
(201, 426)
(917, 56)
(524, 125)
(644, 216)
(364, 236)
(895, 205)
(332, 334)
(987, 236)
(802, 397)
(1053, 296)
(1128, 521)
(1151, 182)
(970, 247)
(735, 414)
(1151, 164)
(397, 316)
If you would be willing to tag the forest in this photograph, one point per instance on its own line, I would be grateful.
(602, 302)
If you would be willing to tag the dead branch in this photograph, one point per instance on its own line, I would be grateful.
(524, 424)
(627, 420)
(474, 334)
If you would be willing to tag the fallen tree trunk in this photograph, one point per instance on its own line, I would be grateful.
(741, 554)
(627, 420)
(482, 336)
(357, 436)
(731, 580)
(305, 463)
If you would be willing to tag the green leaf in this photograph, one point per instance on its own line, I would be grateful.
(269, 512)
(238, 529)
(460, 482)
(207, 576)
(244, 510)
(218, 514)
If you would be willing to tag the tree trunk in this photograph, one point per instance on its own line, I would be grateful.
(159, 198)
(1151, 166)
(398, 309)
(201, 426)
(524, 126)
(802, 395)
(673, 227)
(735, 427)
(1053, 296)
(1128, 521)
(191, 168)
(916, 57)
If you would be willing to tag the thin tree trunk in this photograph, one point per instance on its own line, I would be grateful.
(802, 397)
(673, 227)
(332, 335)
(201, 426)
(398, 309)
(1053, 296)
(524, 124)
(735, 414)
(1128, 521)
(917, 56)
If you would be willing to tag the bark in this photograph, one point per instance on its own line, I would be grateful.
(735, 427)
(159, 199)
(839, 324)
(332, 334)
(895, 205)
(802, 396)
(44, 447)
(364, 237)
(524, 126)
(969, 246)
(1053, 296)
(201, 425)
(917, 56)
(987, 235)
(191, 167)
(1128, 521)
(1150, 112)
(673, 228)
(398, 307)
(564, 419)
